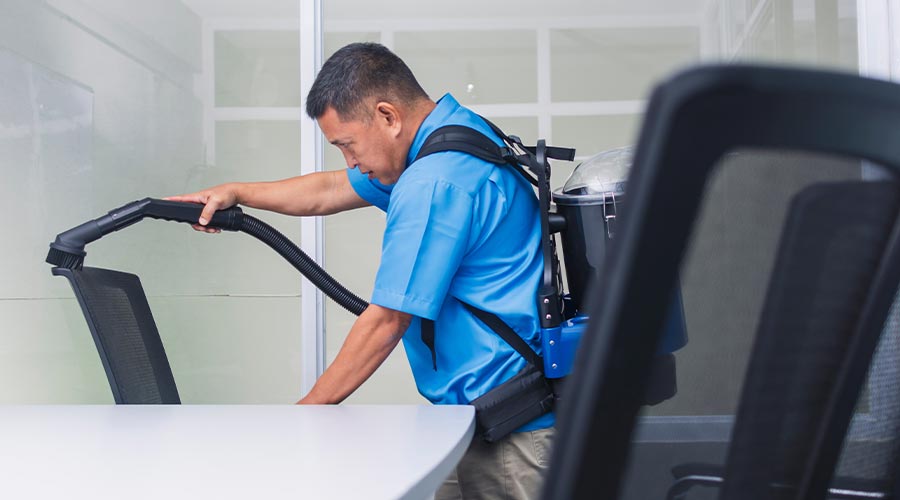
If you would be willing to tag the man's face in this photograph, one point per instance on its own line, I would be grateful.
(370, 145)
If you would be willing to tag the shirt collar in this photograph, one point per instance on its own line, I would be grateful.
(446, 106)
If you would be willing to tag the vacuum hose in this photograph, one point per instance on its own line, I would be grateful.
(308, 267)
(68, 249)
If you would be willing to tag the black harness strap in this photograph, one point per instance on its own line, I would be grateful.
(557, 153)
(508, 334)
(428, 339)
(494, 323)
(468, 140)
(461, 138)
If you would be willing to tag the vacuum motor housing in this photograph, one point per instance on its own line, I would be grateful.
(590, 202)
(590, 225)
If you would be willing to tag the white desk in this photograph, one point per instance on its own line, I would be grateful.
(169, 452)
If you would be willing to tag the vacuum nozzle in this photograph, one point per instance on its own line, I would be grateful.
(62, 258)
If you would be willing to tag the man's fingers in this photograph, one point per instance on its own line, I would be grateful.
(211, 199)
(204, 229)
(208, 211)
(188, 198)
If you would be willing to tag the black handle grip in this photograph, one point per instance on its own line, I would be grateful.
(229, 219)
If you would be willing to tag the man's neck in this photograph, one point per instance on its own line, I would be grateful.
(417, 115)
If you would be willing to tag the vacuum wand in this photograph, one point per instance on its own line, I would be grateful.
(67, 250)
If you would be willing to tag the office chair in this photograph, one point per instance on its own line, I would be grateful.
(827, 255)
(796, 381)
(119, 317)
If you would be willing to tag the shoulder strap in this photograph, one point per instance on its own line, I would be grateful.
(470, 141)
(466, 140)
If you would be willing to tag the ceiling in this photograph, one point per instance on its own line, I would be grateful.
(244, 8)
(412, 9)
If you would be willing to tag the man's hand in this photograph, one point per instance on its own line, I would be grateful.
(215, 198)
(318, 193)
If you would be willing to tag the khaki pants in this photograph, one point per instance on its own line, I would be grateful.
(509, 469)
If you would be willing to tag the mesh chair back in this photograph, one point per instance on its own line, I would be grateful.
(871, 449)
(119, 317)
(827, 258)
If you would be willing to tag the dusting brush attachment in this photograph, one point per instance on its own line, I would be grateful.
(64, 259)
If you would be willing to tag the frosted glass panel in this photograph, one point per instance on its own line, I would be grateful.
(221, 349)
(616, 64)
(257, 68)
(803, 32)
(334, 41)
(257, 151)
(525, 127)
(47, 354)
(227, 306)
(46, 145)
(477, 67)
(232, 349)
(590, 135)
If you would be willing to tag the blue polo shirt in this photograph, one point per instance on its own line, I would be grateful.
(459, 229)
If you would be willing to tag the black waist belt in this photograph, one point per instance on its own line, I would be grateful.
(519, 400)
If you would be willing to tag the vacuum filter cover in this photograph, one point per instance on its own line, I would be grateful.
(597, 179)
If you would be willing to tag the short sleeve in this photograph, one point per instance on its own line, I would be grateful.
(426, 236)
(370, 190)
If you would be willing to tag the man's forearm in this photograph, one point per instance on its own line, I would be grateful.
(371, 339)
(319, 193)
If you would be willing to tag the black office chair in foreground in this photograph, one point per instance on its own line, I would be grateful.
(827, 254)
(832, 284)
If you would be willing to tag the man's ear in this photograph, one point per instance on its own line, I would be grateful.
(389, 116)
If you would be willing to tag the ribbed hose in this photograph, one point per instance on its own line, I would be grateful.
(308, 267)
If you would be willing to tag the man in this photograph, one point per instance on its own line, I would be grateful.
(459, 229)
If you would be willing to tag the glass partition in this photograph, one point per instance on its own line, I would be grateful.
(110, 107)
(257, 68)
(477, 67)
